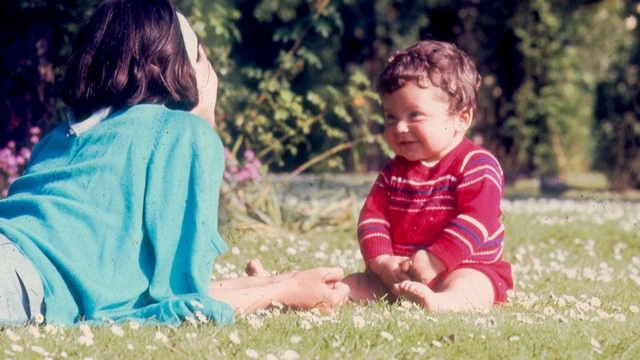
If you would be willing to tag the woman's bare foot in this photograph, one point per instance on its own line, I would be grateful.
(420, 294)
(254, 268)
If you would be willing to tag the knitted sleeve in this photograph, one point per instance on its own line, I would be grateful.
(374, 234)
(475, 234)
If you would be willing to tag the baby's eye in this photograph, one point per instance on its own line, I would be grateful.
(390, 119)
(415, 114)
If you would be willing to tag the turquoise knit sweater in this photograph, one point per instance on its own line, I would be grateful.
(121, 221)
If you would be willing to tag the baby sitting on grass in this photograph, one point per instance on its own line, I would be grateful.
(430, 228)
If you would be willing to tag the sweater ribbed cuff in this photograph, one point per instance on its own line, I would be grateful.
(448, 251)
(374, 247)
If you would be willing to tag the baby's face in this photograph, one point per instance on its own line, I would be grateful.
(418, 125)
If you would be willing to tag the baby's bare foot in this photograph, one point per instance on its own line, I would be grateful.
(254, 268)
(419, 293)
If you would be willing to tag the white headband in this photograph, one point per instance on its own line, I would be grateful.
(190, 39)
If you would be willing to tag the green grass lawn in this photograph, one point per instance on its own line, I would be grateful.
(577, 269)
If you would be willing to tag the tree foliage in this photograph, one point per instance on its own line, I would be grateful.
(617, 125)
(559, 91)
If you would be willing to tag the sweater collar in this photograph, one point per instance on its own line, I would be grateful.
(79, 127)
(447, 158)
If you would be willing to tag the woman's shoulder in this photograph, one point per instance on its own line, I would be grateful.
(164, 123)
(161, 116)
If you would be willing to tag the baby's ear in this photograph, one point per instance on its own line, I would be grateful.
(464, 119)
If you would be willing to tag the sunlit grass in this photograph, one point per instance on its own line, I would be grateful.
(576, 265)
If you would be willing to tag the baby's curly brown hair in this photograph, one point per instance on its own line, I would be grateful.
(433, 63)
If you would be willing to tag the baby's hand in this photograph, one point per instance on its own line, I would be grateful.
(389, 270)
(423, 267)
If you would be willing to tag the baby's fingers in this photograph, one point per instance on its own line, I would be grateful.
(401, 276)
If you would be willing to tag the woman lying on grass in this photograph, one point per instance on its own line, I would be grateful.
(116, 215)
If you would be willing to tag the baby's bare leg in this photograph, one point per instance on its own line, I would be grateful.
(367, 286)
(462, 290)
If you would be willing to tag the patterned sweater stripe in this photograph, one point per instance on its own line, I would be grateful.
(486, 259)
(444, 188)
(500, 231)
(401, 180)
(422, 204)
(487, 157)
(370, 228)
(370, 221)
(475, 223)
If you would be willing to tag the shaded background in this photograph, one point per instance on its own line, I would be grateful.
(560, 91)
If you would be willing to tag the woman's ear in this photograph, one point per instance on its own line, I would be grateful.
(464, 119)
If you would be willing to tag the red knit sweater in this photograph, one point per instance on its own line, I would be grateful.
(451, 209)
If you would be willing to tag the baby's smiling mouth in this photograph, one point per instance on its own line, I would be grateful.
(407, 142)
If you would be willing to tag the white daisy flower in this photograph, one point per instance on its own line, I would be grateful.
(50, 329)
(160, 336)
(252, 354)
(386, 335)
(11, 335)
(359, 322)
(234, 338)
(290, 355)
(117, 330)
(295, 339)
(200, 316)
(305, 324)
(255, 322)
(34, 331)
(86, 340)
(38, 318)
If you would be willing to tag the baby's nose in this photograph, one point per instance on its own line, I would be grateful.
(401, 127)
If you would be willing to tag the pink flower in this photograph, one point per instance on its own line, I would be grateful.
(249, 155)
(243, 175)
(25, 152)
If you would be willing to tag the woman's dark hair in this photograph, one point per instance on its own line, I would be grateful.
(129, 52)
(433, 63)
